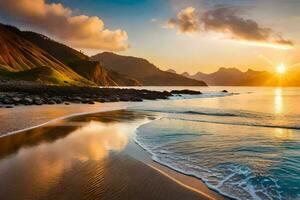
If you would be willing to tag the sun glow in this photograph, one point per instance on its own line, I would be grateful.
(281, 69)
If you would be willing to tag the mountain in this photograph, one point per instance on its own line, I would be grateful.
(235, 77)
(92, 70)
(186, 74)
(143, 71)
(171, 71)
(18, 54)
(76, 60)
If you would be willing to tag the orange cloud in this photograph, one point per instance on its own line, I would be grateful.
(79, 31)
(225, 20)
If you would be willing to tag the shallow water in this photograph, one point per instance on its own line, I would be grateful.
(246, 145)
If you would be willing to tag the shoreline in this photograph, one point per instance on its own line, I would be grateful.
(188, 182)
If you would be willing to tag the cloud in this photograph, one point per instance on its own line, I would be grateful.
(77, 30)
(187, 21)
(226, 20)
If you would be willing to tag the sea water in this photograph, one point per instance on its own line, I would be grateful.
(245, 144)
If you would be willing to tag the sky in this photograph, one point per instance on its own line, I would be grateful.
(185, 35)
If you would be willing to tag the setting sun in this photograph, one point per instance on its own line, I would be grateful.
(281, 69)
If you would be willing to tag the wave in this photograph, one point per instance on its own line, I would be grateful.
(203, 95)
(240, 123)
(220, 178)
(259, 118)
(220, 114)
(166, 164)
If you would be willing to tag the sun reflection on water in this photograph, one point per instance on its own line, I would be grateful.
(278, 101)
(283, 134)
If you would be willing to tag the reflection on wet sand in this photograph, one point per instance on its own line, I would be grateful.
(41, 166)
(82, 158)
(34, 161)
(52, 132)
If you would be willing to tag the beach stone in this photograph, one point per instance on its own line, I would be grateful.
(166, 93)
(57, 100)
(16, 99)
(114, 99)
(27, 101)
(191, 92)
(51, 102)
(7, 100)
(106, 100)
(225, 91)
(86, 100)
(125, 98)
(74, 101)
(79, 99)
(38, 102)
(100, 100)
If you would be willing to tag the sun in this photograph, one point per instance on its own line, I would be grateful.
(281, 69)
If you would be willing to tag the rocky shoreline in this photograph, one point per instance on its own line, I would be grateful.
(13, 93)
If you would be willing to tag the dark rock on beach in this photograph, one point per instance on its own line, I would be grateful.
(191, 92)
(28, 93)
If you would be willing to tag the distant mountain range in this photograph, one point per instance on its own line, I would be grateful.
(26, 55)
(235, 77)
(143, 71)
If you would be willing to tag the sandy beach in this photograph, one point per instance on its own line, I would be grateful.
(86, 157)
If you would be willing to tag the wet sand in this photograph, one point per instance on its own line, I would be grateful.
(89, 157)
(24, 117)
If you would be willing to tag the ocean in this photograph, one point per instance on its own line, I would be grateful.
(244, 144)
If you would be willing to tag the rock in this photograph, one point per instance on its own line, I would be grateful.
(67, 103)
(8, 106)
(91, 102)
(191, 92)
(27, 101)
(16, 100)
(77, 99)
(57, 100)
(51, 102)
(225, 91)
(166, 93)
(85, 101)
(38, 102)
(100, 100)
(7, 100)
(124, 98)
(106, 100)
